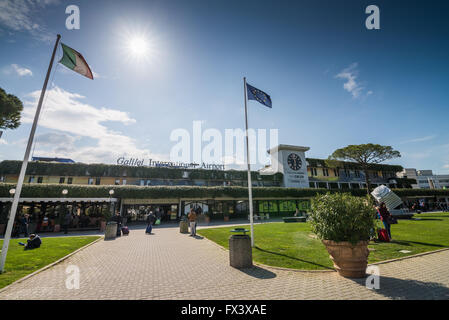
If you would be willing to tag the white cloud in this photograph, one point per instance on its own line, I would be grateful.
(352, 85)
(421, 139)
(20, 15)
(73, 121)
(21, 71)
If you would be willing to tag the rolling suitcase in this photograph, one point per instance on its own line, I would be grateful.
(382, 235)
(148, 229)
(125, 231)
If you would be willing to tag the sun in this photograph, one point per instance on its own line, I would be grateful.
(138, 47)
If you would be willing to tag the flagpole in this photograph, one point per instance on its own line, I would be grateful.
(250, 191)
(15, 202)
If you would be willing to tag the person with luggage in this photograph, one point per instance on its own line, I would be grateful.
(150, 221)
(192, 221)
(118, 219)
(385, 217)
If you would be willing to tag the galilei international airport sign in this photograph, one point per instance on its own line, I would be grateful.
(135, 162)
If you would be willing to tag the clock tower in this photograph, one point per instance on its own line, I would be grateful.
(291, 161)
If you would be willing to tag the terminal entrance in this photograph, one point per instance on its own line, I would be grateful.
(138, 212)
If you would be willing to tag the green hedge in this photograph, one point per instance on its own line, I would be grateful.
(108, 170)
(140, 192)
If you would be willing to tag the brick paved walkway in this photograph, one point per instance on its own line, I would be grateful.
(170, 265)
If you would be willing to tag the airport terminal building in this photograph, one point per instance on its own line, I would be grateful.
(290, 168)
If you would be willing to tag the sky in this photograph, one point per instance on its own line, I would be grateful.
(332, 81)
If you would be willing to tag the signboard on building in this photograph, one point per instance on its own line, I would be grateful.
(136, 162)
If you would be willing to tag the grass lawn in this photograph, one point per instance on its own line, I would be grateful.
(20, 263)
(292, 245)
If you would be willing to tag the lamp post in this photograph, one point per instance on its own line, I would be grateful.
(12, 192)
(63, 212)
(112, 208)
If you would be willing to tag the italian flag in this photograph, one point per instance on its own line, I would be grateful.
(72, 59)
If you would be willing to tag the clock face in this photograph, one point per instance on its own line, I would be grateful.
(294, 161)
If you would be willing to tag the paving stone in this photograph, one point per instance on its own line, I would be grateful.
(171, 265)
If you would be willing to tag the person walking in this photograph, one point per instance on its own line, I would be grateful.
(385, 217)
(192, 221)
(66, 222)
(150, 221)
(23, 222)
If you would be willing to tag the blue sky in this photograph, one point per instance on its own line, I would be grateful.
(302, 53)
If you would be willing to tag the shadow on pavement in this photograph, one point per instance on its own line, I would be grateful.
(258, 272)
(294, 258)
(401, 289)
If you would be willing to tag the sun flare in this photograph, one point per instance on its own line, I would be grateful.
(138, 46)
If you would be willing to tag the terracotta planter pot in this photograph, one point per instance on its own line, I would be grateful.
(349, 261)
(57, 228)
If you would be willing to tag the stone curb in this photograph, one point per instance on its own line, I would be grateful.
(272, 267)
(50, 265)
(326, 271)
(409, 257)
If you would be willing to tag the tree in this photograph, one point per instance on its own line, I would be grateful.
(365, 155)
(10, 109)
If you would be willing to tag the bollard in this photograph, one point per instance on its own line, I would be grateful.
(111, 231)
(240, 253)
(184, 227)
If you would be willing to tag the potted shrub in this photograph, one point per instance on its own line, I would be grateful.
(59, 220)
(344, 224)
(106, 215)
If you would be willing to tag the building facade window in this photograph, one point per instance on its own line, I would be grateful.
(313, 172)
(61, 180)
(325, 172)
(124, 181)
(336, 173)
(69, 180)
(90, 181)
(31, 180)
(357, 173)
(97, 181)
(40, 179)
(117, 182)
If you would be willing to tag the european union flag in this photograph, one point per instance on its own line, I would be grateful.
(258, 95)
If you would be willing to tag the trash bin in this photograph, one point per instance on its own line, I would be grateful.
(184, 227)
(240, 252)
(111, 231)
